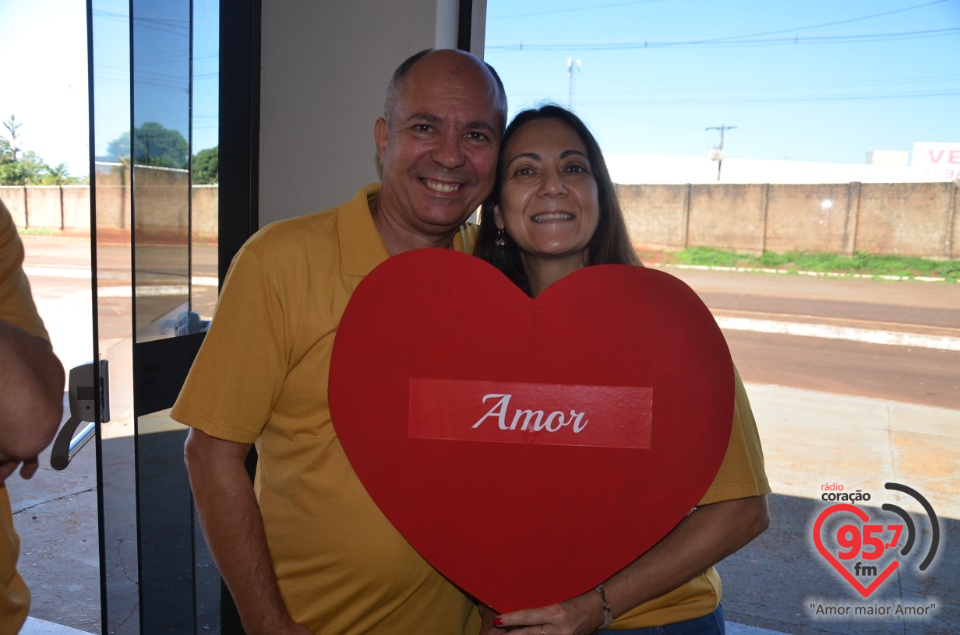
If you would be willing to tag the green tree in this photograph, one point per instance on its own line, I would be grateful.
(11, 173)
(28, 170)
(6, 152)
(155, 145)
(57, 175)
(119, 148)
(206, 166)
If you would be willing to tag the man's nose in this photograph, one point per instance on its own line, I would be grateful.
(448, 151)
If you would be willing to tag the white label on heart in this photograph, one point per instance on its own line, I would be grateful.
(530, 413)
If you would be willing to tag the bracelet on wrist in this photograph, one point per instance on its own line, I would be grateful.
(607, 614)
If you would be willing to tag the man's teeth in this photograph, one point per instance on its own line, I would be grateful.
(441, 187)
(543, 218)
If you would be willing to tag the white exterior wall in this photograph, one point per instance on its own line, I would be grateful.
(325, 67)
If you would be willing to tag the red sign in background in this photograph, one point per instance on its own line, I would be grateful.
(529, 524)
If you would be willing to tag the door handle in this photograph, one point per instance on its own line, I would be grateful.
(82, 392)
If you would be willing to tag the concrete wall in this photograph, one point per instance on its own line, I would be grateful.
(113, 197)
(731, 218)
(162, 202)
(76, 207)
(909, 219)
(14, 200)
(810, 218)
(656, 215)
(206, 200)
(162, 208)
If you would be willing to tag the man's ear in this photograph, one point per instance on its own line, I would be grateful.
(381, 131)
(498, 217)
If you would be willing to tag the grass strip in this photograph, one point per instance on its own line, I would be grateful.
(795, 262)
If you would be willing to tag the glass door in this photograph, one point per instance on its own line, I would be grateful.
(154, 117)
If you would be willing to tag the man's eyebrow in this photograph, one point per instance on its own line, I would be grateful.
(426, 117)
(423, 116)
(483, 125)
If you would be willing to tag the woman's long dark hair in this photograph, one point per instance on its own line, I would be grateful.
(610, 244)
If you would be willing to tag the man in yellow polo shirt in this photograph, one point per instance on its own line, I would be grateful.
(305, 550)
(31, 392)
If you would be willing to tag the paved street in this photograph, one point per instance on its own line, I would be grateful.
(833, 406)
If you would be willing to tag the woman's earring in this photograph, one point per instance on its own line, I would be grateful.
(500, 242)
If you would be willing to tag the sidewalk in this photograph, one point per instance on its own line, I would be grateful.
(771, 584)
(811, 439)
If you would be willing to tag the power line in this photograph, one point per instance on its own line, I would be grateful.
(767, 99)
(732, 42)
(825, 24)
(593, 8)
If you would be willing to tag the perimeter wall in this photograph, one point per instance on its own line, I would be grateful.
(907, 219)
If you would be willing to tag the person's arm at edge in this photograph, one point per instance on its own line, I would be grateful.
(31, 380)
(232, 525)
(694, 545)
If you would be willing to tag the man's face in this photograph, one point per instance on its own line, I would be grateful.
(439, 149)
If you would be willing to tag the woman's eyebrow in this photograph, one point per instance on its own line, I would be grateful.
(538, 157)
(527, 155)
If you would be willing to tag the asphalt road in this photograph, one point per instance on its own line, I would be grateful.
(852, 310)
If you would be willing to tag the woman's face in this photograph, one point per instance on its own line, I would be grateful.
(548, 202)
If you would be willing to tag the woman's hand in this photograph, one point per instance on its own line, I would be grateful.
(581, 615)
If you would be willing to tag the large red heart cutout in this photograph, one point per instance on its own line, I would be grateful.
(529, 510)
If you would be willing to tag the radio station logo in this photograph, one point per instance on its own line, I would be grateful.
(866, 549)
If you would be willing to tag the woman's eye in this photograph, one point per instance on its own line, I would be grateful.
(523, 172)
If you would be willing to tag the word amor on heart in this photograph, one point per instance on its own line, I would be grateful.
(553, 422)
(531, 413)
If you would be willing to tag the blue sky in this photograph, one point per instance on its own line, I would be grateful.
(819, 80)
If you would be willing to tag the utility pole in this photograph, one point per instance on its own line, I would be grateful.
(571, 64)
(717, 153)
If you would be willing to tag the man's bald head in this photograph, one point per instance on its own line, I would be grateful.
(439, 61)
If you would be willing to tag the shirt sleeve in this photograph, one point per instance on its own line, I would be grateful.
(741, 474)
(16, 302)
(239, 370)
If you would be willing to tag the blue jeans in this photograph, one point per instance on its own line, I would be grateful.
(712, 624)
